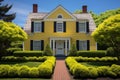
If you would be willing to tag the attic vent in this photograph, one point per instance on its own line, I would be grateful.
(59, 16)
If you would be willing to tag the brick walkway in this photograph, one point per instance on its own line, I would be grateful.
(60, 72)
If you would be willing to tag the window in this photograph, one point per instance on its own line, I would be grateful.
(82, 26)
(59, 27)
(36, 45)
(82, 45)
(37, 27)
(59, 16)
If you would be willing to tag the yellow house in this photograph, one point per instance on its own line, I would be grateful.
(60, 29)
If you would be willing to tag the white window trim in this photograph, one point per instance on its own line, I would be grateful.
(40, 26)
(40, 44)
(86, 44)
(57, 26)
(85, 27)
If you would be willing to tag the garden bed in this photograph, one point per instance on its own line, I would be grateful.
(93, 69)
(27, 69)
(29, 64)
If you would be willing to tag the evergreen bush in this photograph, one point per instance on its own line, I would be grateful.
(33, 72)
(48, 51)
(23, 71)
(73, 50)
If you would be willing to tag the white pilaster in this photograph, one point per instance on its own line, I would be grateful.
(53, 47)
(66, 47)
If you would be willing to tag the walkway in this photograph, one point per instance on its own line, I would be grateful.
(60, 72)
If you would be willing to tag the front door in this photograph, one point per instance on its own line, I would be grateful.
(59, 47)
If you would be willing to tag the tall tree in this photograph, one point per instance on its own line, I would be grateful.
(9, 32)
(108, 32)
(3, 12)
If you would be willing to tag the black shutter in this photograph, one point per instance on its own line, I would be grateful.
(77, 44)
(55, 26)
(52, 44)
(32, 26)
(88, 45)
(64, 44)
(77, 26)
(31, 44)
(87, 27)
(42, 26)
(64, 26)
(42, 45)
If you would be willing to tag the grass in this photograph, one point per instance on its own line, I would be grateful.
(23, 79)
(97, 64)
(30, 64)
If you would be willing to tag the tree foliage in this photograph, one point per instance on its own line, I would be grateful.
(104, 15)
(9, 32)
(3, 12)
(108, 33)
(48, 51)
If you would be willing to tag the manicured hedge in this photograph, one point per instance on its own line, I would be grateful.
(81, 71)
(28, 53)
(97, 59)
(44, 70)
(91, 53)
(19, 59)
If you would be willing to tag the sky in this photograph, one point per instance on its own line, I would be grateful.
(23, 7)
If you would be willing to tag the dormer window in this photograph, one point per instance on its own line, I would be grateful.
(59, 16)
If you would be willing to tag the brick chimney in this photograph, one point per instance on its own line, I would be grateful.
(35, 8)
(84, 8)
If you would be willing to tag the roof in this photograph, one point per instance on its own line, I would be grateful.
(42, 16)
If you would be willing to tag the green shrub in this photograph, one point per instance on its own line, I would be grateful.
(116, 69)
(48, 51)
(4, 70)
(73, 51)
(11, 50)
(28, 53)
(33, 72)
(103, 71)
(110, 51)
(80, 71)
(45, 71)
(23, 71)
(91, 53)
(93, 72)
(46, 68)
(13, 71)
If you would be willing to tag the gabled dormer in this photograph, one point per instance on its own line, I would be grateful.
(60, 13)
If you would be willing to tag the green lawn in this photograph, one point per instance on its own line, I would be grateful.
(97, 64)
(23, 79)
(30, 64)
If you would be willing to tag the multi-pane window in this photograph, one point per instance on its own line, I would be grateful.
(59, 27)
(36, 45)
(82, 26)
(37, 27)
(83, 45)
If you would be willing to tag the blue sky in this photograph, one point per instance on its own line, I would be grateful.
(23, 7)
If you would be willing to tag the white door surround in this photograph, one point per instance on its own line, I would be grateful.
(60, 45)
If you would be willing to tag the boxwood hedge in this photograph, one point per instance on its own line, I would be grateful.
(81, 71)
(28, 53)
(44, 70)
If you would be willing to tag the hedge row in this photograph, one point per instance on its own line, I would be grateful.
(44, 70)
(19, 59)
(28, 53)
(91, 53)
(81, 71)
(86, 59)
